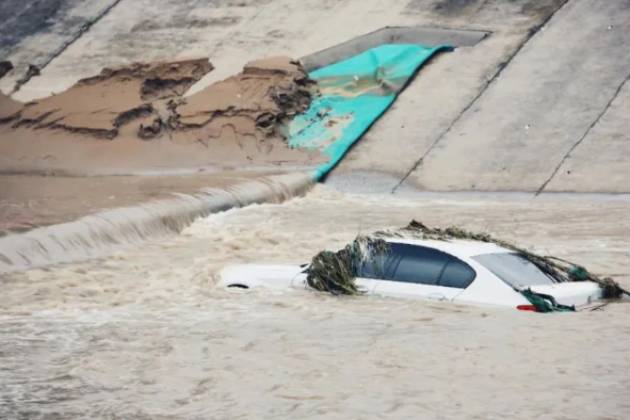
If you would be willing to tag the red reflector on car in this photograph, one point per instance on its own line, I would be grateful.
(531, 308)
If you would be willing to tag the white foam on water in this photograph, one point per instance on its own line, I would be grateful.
(97, 234)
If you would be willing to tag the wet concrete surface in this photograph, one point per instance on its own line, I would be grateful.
(445, 88)
(34, 32)
(22, 18)
(546, 99)
(604, 149)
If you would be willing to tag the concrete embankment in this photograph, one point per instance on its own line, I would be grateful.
(34, 33)
(536, 105)
(552, 102)
(100, 233)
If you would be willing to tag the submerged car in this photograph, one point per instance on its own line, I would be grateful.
(455, 270)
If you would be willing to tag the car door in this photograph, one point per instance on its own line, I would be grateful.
(419, 272)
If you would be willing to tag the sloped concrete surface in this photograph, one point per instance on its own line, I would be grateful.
(36, 31)
(533, 102)
(601, 161)
(516, 134)
(230, 32)
(447, 86)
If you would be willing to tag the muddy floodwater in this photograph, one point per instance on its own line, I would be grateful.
(146, 334)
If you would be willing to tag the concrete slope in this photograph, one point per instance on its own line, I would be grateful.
(504, 114)
(547, 98)
(442, 91)
(229, 32)
(600, 162)
(35, 31)
(232, 32)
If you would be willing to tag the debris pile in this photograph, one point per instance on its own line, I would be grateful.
(334, 272)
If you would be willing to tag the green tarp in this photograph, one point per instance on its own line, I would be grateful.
(354, 94)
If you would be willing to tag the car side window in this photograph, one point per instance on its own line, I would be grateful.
(418, 264)
(380, 266)
(457, 274)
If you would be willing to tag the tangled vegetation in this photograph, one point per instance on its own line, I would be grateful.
(335, 272)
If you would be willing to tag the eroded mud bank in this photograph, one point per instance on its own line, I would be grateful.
(8, 108)
(137, 118)
(99, 106)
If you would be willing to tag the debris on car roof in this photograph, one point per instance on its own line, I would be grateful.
(335, 272)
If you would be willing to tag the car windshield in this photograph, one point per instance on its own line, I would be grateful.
(514, 269)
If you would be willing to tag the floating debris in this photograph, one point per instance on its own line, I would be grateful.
(335, 272)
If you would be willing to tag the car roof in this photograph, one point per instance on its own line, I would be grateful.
(458, 247)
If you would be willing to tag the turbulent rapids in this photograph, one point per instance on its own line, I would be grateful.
(149, 147)
(151, 322)
(102, 233)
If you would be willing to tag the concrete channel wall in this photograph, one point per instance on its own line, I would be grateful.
(35, 32)
(429, 37)
(549, 97)
(538, 105)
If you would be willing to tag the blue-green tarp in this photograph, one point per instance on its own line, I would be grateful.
(354, 93)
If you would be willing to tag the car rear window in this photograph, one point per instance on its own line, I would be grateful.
(417, 264)
(514, 269)
(457, 274)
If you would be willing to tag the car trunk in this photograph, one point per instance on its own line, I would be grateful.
(571, 293)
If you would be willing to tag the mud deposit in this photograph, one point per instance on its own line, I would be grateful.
(145, 334)
(8, 108)
(136, 118)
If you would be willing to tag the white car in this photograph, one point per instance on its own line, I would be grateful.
(456, 270)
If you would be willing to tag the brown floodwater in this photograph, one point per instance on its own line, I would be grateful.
(145, 333)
